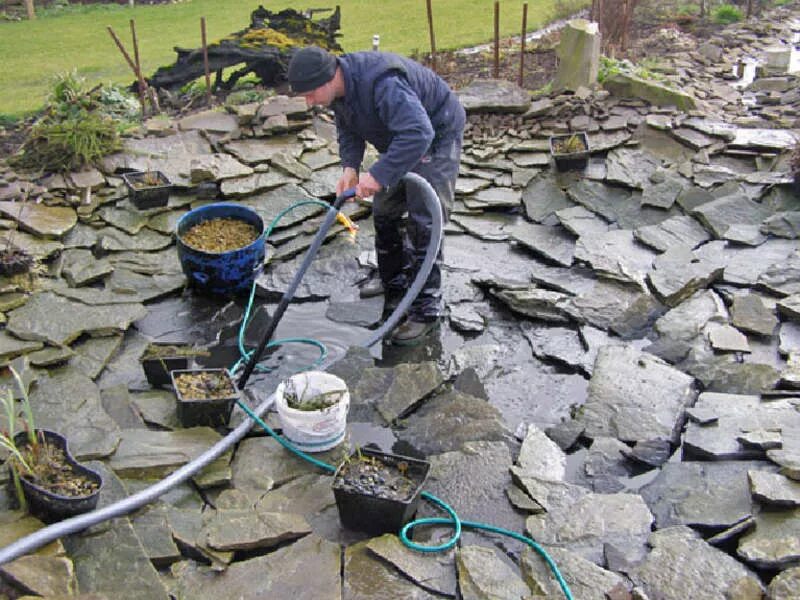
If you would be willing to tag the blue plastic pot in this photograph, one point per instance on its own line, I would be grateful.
(228, 272)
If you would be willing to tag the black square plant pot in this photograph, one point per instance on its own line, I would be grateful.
(367, 503)
(202, 405)
(570, 151)
(160, 358)
(147, 189)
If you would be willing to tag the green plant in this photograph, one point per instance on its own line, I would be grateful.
(63, 145)
(16, 460)
(725, 14)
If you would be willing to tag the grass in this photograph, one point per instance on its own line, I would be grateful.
(34, 52)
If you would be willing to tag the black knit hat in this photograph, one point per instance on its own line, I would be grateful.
(310, 68)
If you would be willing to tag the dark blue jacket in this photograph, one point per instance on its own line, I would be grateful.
(398, 106)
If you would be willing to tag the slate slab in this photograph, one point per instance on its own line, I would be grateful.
(635, 396)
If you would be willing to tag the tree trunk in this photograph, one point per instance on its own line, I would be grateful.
(30, 9)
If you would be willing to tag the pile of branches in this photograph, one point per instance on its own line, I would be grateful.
(264, 48)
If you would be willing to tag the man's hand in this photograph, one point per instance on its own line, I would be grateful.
(367, 186)
(348, 180)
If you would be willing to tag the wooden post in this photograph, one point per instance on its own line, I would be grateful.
(205, 59)
(131, 64)
(496, 39)
(137, 64)
(522, 42)
(433, 39)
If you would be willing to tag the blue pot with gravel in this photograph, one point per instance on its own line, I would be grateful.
(221, 247)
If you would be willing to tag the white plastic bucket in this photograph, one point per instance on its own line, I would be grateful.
(313, 430)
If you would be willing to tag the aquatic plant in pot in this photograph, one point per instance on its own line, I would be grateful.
(47, 481)
(378, 492)
(159, 358)
(312, 409)
(570, 151)
(147, 189)
(205, 396)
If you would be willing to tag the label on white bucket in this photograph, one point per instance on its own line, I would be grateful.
(313, 430)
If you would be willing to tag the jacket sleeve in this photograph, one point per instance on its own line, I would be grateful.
(402, 113)
(351, 146)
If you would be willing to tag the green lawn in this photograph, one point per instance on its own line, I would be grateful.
(33, 52)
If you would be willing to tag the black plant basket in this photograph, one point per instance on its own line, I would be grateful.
(363, 511)
(571, 160)
(211, 412)
(51, 507)
(143, 195)
(157, 368)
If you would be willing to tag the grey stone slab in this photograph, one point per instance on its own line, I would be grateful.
(449, 419)
(143, 453)
(783, 277)
(613, 306)
(783, 224)
(679, 230)
(536, 303)
(246, 529)
(725, 338)
(49, 317)
(542, 197)
(581, 221)
(551, 243)
(41, 220)
(736, 414)
(432, 572)
(367, 572)
(585, 579)
(680, 562)
(483, 574)
(495, 197)
(635, 396)
(745, 266)
(490, 227)
(721, 214)
(453, 474)
(616, 255)
(679, 272)
(774, 489)
(596, 520)
(494, 95)
(631, 167)
(774, 543)
(702, 494)
(283, 573)
(752, 313)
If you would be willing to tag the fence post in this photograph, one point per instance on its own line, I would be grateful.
(205, 59)
(496, 39)
(522, 42)
(433, 38)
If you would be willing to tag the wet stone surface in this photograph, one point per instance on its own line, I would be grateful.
(617, 372)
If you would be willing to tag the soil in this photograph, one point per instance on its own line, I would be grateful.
(369, 476)
(220, 235)
(52, 471)
(204, 385)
